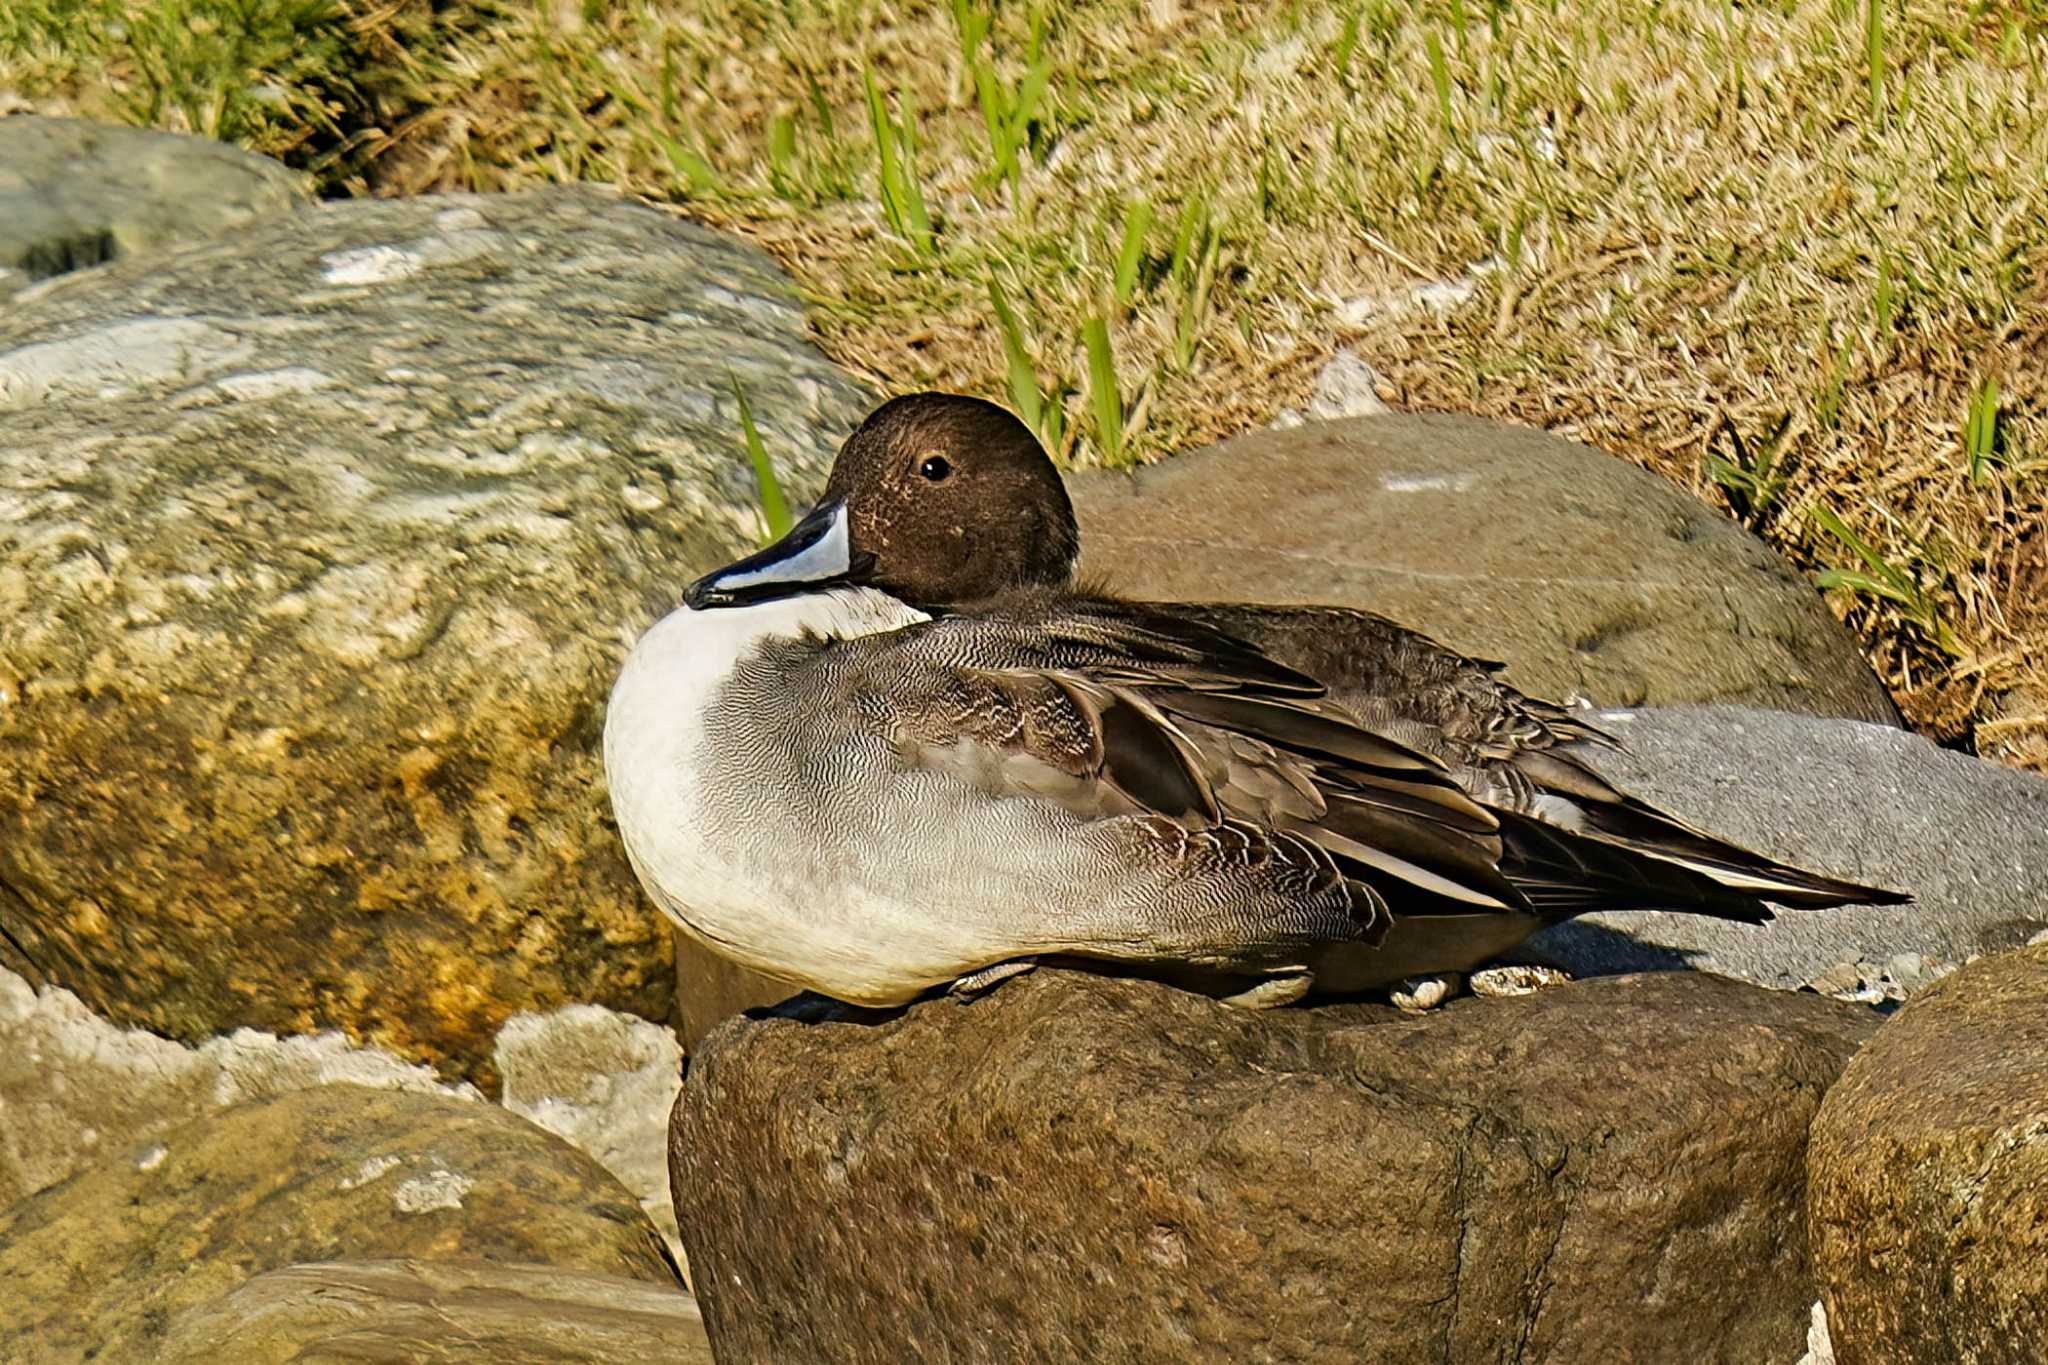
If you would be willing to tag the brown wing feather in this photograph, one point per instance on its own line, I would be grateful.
(1126, 713)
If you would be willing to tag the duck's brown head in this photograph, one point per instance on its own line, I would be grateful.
(936, 499)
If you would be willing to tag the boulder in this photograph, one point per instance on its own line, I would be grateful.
(1079, 1167)
(418, 1312)
(320, 544)
(1968, 839)
(603, 1082)
(1587, 575)
(1928, 1195)
(75, 1089)
(106, 1260)
(75, 193)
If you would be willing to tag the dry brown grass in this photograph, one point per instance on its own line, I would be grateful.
(1685, 234)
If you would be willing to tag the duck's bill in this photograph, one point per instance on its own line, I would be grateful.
(816, 554)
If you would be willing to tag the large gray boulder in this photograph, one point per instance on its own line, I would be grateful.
(1968, 839)
(74, 193)
(1587, 575)
(99, 1266)
(320, 544)
(1082, 1168)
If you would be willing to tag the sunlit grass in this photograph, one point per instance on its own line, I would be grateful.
(1786, 255)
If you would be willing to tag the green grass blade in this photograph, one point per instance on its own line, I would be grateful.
(1839, 529)
(913, 189)
(1980, 429)
(885, 155)
(694, 171)
(1346, 45)
(1102, 391)
(1440, 77)
(1137, 222)
(774, 508)
(1023, 379)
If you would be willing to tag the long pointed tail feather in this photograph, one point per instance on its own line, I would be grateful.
(1565, 873)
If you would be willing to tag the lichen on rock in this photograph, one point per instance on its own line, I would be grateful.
(313, 578)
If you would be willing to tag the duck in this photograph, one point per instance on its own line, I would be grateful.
(907, 749)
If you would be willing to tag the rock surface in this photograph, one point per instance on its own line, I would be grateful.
(319, 547)
(75, 1088)
(1587, 575)
(1076, 1167)
(109, 1257)
(604, 1083)
(75, 193)
(1928, 1206)
(414, 1312)
(1968, 839)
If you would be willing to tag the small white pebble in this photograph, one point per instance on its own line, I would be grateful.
(1420, 993)
(370, 265)
(152, 1158)
(1517, 979)
(1443, 295)
(437, 1189)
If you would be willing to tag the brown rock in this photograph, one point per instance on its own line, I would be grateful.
(108, 1258)
(1928, 1204)
(1584, 573)
(1079, 1167)
(417, 1312)
(320, 547)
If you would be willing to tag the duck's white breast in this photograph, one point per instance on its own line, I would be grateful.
(663, 772)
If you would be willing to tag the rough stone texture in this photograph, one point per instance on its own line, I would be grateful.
(109, 1257)
(1968, 838)
(414, 1312)
(1077, 1167)
(75, 193)
(1928, 1207)
(320, 545)
(74, 1088)
(604, 1083)
(1587, 575)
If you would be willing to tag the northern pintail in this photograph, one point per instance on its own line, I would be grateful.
(901, 748)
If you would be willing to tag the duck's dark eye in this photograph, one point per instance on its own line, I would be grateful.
(935, 467)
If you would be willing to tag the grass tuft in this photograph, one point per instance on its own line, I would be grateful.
(901, 190)
(1820, 224)
(1980, 430)
(1105, 399)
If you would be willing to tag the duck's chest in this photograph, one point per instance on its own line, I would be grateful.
(723, 741)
